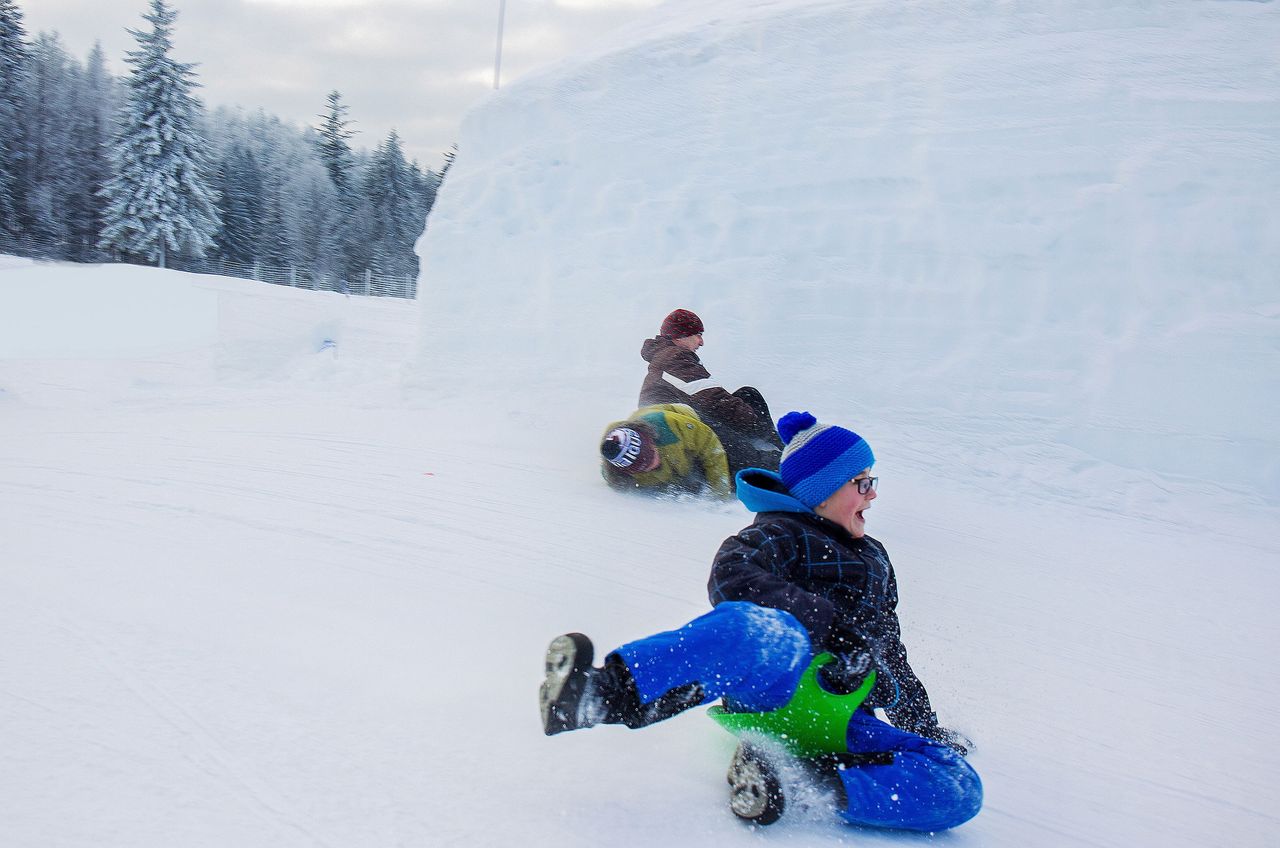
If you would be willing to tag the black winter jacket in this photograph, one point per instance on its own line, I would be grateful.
(676, 375)
(795, 560)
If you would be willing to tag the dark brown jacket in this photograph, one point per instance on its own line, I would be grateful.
(677, 375)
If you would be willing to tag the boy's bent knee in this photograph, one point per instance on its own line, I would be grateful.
(775, 633)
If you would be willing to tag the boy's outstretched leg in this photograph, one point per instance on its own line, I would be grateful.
(575, 695)
(753, 656)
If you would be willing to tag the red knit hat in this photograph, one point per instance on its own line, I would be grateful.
(681, 323)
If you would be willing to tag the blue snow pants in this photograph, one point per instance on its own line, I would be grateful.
(754, 657)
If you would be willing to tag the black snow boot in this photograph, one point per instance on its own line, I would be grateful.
(564, 698)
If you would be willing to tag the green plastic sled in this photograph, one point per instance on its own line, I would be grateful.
(812, 723)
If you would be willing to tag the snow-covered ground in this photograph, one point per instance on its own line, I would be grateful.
(278, 567)
(253, 594)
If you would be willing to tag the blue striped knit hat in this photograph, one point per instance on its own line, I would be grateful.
(819, 458)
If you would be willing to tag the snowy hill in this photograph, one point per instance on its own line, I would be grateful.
(261, 584)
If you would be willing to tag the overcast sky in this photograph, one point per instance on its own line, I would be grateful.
(415, 65)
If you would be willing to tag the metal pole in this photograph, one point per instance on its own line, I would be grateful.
(497, 61)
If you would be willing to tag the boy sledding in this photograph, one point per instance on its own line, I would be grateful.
(802, 581)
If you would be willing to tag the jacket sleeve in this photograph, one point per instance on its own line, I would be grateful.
(752, 566)
(912, 710)
(710, 454)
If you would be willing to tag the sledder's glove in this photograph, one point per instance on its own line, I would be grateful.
(852, 660)
(845, 673)
(954, 740)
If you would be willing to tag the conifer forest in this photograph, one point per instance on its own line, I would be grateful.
(100, 168)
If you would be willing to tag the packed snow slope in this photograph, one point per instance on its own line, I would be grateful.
(994, 214)
(261, 585)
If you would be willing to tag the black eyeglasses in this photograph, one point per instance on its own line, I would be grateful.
(865, 484)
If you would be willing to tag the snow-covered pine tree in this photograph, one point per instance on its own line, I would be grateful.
(241, 206)
(49, 165)
(282, 156)
(13, 71)
(94, 102)
(344, 231)
(449, 156)
(391, 188)
(160, 201)
(331, 143)
(427, 183)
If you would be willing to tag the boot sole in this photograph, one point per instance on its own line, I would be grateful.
(755, 792)
(568, 658)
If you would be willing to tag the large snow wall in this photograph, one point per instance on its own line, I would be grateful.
(1054, 221)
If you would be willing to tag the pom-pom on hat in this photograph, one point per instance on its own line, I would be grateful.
(681, 323)
(819, 458)
(627, 450)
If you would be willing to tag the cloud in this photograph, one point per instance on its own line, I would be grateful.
(605, 4)
(415, 65)
(312, 4)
